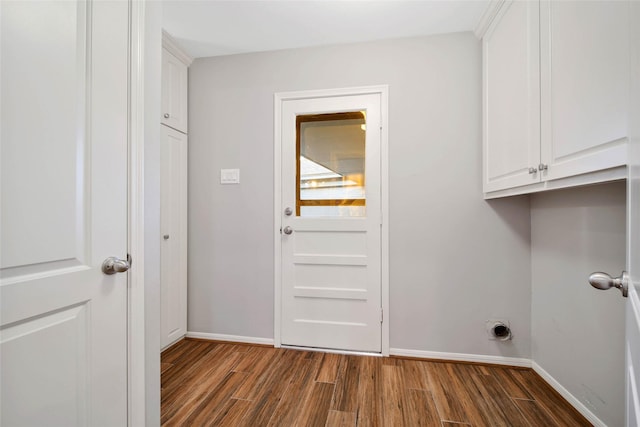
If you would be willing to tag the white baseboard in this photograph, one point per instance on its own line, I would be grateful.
(231, 338)
(590, 416)
(462, 357)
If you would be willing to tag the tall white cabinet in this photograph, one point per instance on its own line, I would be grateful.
(173, 193)
(555, 94)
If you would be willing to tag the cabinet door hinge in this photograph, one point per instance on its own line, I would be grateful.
(381, 315)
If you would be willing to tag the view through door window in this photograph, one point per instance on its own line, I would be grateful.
(331, 165)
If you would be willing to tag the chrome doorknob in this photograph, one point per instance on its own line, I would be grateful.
(113, 265)
(603, 281)
(287, 230)
(288, 211)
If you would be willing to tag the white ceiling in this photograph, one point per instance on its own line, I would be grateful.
(218, 27)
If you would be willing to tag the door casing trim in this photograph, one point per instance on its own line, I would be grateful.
(279, 99)
(136, 351)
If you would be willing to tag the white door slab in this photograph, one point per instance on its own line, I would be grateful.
(331, 259)
(64, 148)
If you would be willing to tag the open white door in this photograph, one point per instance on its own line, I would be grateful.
(633, 231)
(633, 341)
(629, 282)
(330, 217)
(64, 73)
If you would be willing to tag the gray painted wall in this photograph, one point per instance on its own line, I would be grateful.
(578, 331)
(455, 259)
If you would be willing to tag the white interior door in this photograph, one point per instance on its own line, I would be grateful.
(330, 217)
(63, 333)
(633, 230)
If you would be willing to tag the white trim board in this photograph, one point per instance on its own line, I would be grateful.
(169, 43)
(136, 333)
(230, 338)
(462, 357)
(487, 17)
(573, 401)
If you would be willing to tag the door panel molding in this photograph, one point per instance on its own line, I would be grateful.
(64, 336)
(279, 99)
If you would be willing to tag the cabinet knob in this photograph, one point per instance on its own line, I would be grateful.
(165, 237)
(542, 167)
(166, 115)
(532, 171)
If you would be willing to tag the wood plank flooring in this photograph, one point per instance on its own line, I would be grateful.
(207, 383)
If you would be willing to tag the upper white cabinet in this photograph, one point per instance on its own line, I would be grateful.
(174, 85)
(555, 85)
(585, 84)
(511, 110)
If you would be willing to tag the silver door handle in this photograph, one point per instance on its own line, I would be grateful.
(532, 171)
(288, 211)
(603, 282)
(113, 265)
(287, 230)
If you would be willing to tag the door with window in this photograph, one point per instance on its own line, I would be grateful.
(330, 222)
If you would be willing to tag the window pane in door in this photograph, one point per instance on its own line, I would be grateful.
(331, 165)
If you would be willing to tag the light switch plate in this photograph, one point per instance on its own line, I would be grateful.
(229, 176)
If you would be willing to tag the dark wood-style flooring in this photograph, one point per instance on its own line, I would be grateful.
(207, 383)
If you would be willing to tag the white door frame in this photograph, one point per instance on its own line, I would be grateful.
(279, 99)
(136, 353)
(632, 385)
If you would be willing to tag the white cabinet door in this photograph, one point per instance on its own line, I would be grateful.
(174, 92)
(64, 211)
(584, 82)
(173, 224)
(511, 98)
